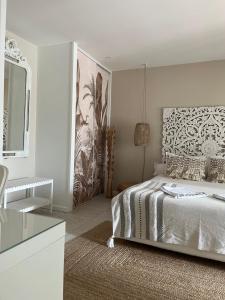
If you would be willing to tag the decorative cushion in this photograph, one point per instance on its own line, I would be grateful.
(174, 165)
(186, 167)
(194, 168)
(159, 169)
(216, 171)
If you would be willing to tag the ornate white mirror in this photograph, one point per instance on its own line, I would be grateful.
(17, 87)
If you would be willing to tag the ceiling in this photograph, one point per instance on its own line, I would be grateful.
(124, 34)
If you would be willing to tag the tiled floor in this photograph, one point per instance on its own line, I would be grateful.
(86, 216)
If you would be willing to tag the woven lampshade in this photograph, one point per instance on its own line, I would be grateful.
(142, 134)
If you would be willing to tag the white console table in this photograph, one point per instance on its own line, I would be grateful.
(31, 256)
(31, 202)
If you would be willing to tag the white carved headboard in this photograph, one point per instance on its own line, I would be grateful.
(194, 131)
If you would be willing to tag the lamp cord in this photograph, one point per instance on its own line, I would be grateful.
(145, 106)
(143, 167)
(145, 119)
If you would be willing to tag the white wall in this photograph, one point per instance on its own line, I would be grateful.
(25, 167)
(198, 84)
(56, 100)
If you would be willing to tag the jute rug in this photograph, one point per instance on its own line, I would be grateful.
(134, 271)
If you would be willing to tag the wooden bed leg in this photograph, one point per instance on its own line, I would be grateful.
(110, 242)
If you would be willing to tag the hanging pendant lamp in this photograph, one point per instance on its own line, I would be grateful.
(142, 134)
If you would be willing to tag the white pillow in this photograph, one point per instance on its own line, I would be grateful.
(159, 169)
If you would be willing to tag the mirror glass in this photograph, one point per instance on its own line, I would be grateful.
(14, 107)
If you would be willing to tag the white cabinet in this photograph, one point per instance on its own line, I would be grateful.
(32, 256)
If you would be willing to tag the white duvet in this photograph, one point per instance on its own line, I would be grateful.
(145, 212)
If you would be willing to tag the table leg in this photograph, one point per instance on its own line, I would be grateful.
(5, 200)
(32, 192)
(51, 198)
(27, 193)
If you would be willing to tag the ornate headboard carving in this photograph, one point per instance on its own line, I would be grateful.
(194, 131)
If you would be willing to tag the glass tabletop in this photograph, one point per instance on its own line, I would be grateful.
(17, 227)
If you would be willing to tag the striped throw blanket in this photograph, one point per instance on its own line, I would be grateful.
(135, 205)
(145, 212)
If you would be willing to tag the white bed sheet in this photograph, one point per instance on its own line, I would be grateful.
(199, 226)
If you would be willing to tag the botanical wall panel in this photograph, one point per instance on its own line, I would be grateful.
(91, 121)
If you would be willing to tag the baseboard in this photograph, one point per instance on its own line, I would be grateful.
(58, 208)
(61, 208)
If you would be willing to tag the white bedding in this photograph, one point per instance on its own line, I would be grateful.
(146, 213)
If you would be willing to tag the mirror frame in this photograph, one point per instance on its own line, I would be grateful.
(14, 56)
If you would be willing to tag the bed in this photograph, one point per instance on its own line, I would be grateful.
(192, 225)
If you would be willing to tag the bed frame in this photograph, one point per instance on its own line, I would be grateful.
(193, 131)
(182, 249)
